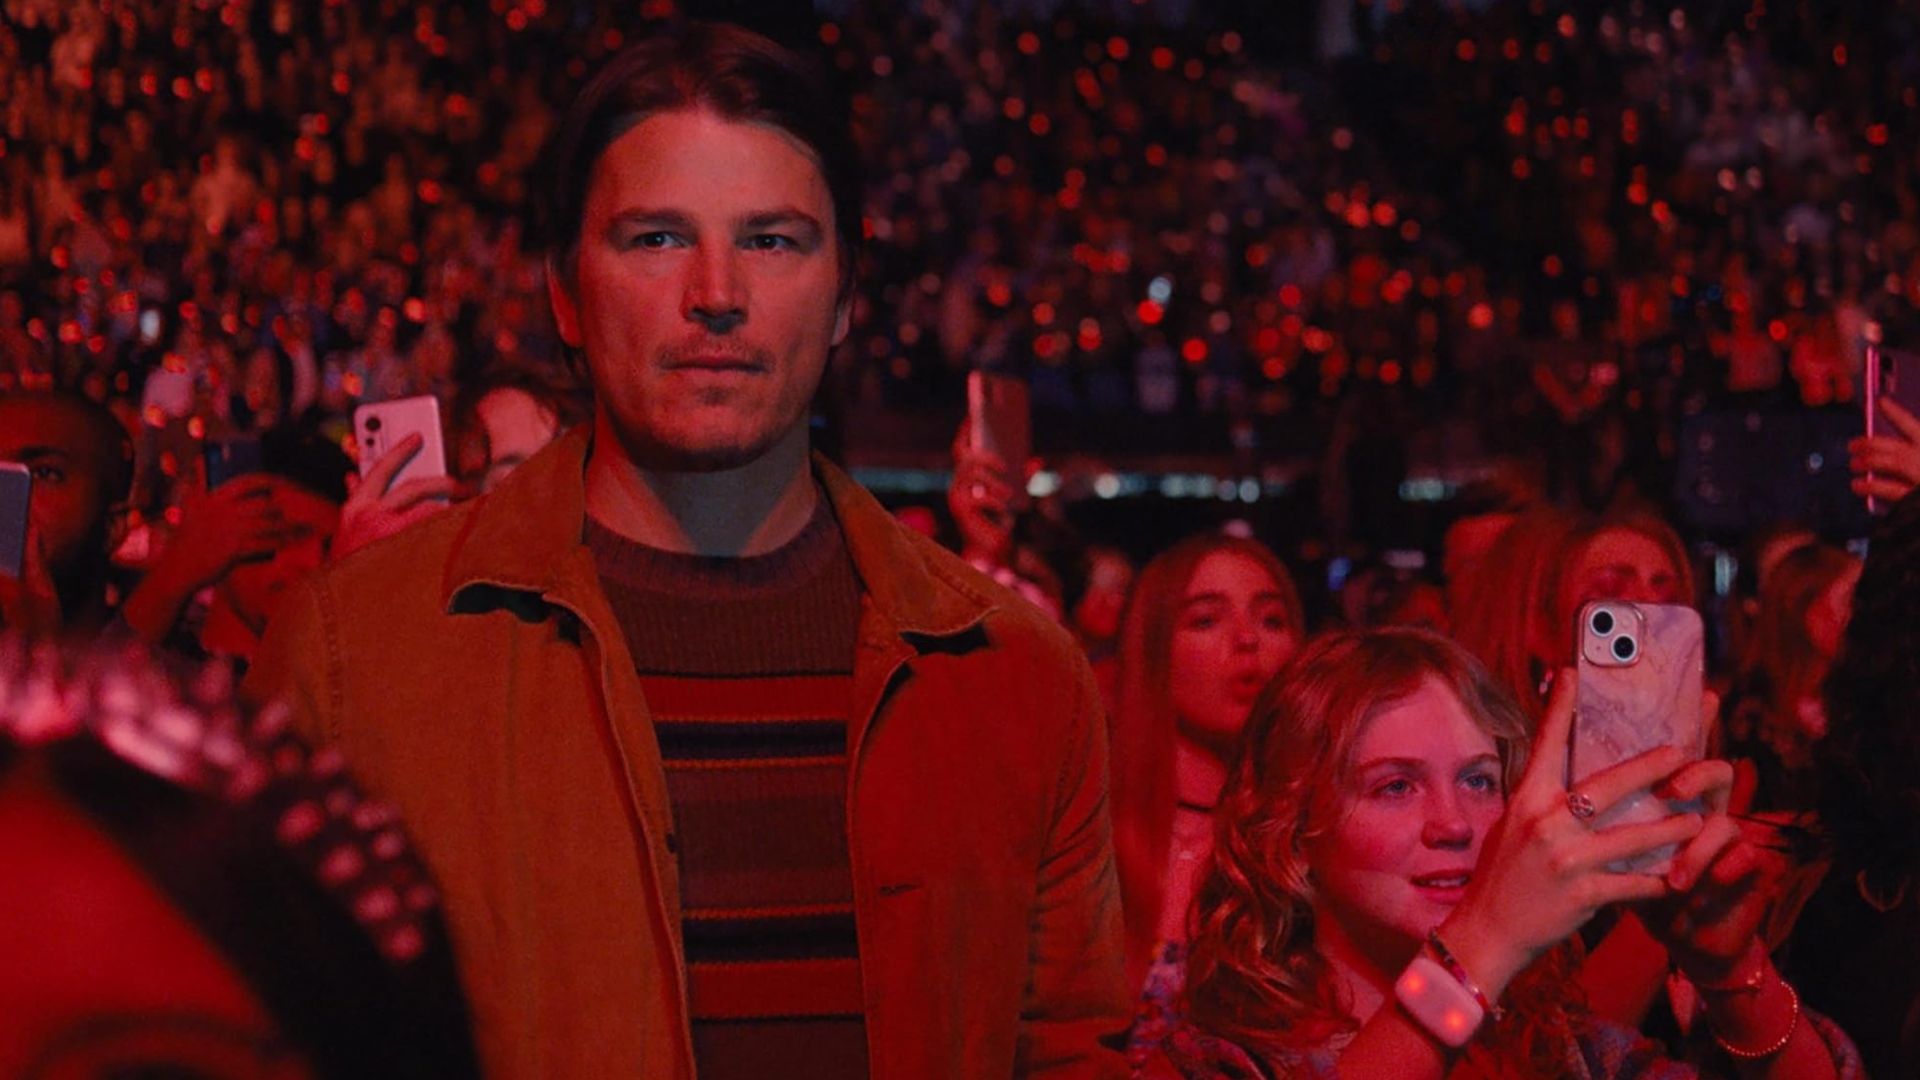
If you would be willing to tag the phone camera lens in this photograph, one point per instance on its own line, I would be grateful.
(373, 423)
(1602, 621)
(1623, 648)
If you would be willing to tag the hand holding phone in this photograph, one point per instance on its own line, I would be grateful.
(999, 422)
(1641, 670)
(1886, 461)
(378, 506)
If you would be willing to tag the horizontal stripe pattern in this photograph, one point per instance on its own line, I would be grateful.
(746, 668)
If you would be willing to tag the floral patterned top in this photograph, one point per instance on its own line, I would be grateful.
(1163, 1045)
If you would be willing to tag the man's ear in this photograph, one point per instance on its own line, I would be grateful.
(119, 518)
(566, 313)
(843, 317)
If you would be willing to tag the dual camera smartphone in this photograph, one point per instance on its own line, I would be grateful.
(1641, 677)
(383, 425)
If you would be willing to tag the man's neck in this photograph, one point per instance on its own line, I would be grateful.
(749, 510)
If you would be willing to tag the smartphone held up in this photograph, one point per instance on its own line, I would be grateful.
(16, 499)
(999, 422)
(1891, 375)
(1641, 671)
(380, 427)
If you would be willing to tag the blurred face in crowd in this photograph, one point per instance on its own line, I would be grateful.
(104, 976)
(517, 427)
(253, 590)
(1097, 616)
(705, 291)
(71, 509)
(1414, 806)
(1623, 564)
(1231, 634)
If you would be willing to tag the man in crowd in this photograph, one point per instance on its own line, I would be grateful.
(719, 765)
(81, 462)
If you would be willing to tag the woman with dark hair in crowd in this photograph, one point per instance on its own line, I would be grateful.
(1855, 950)
(505, 415)
(192, 893)
(1207, 624)
(1394, 885)
(1774, 715)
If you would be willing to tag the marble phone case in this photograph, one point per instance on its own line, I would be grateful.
(1626, 707)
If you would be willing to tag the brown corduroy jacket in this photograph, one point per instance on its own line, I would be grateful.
(474, 676)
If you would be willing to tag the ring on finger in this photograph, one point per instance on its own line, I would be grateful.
(1581, 806)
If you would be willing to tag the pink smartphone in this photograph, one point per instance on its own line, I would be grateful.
(1000, 422)
(1641, 671)
(1892, 374)
(379, 427)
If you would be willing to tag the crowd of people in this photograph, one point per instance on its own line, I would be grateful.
(838, 791)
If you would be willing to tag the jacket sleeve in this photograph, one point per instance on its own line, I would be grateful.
(1077, 1004)
(297, 665)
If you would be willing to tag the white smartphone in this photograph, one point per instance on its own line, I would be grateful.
(380, 426)
(1641, 668)
(16, 502)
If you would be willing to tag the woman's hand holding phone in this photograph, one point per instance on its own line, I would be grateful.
(1545, 870)
(376, 507)
(1886, 465)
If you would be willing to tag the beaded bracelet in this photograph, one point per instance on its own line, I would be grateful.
(1459, 972)
(1793, 1025)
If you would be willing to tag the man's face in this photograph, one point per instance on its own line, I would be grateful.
(71, 510)
(705, 291)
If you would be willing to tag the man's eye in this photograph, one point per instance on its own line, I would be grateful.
(651, 241)
(49, 474)
(771, 242)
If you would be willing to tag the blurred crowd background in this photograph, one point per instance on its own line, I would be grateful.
(1337, 271)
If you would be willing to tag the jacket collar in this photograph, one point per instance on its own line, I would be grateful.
(525, 537)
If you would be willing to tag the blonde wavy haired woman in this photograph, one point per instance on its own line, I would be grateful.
(1393, 889)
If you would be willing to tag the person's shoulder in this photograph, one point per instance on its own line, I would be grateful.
(415, 553)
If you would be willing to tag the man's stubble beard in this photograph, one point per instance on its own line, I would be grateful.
(654, 455)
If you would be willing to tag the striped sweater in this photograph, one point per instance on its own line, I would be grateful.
(746, 664)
